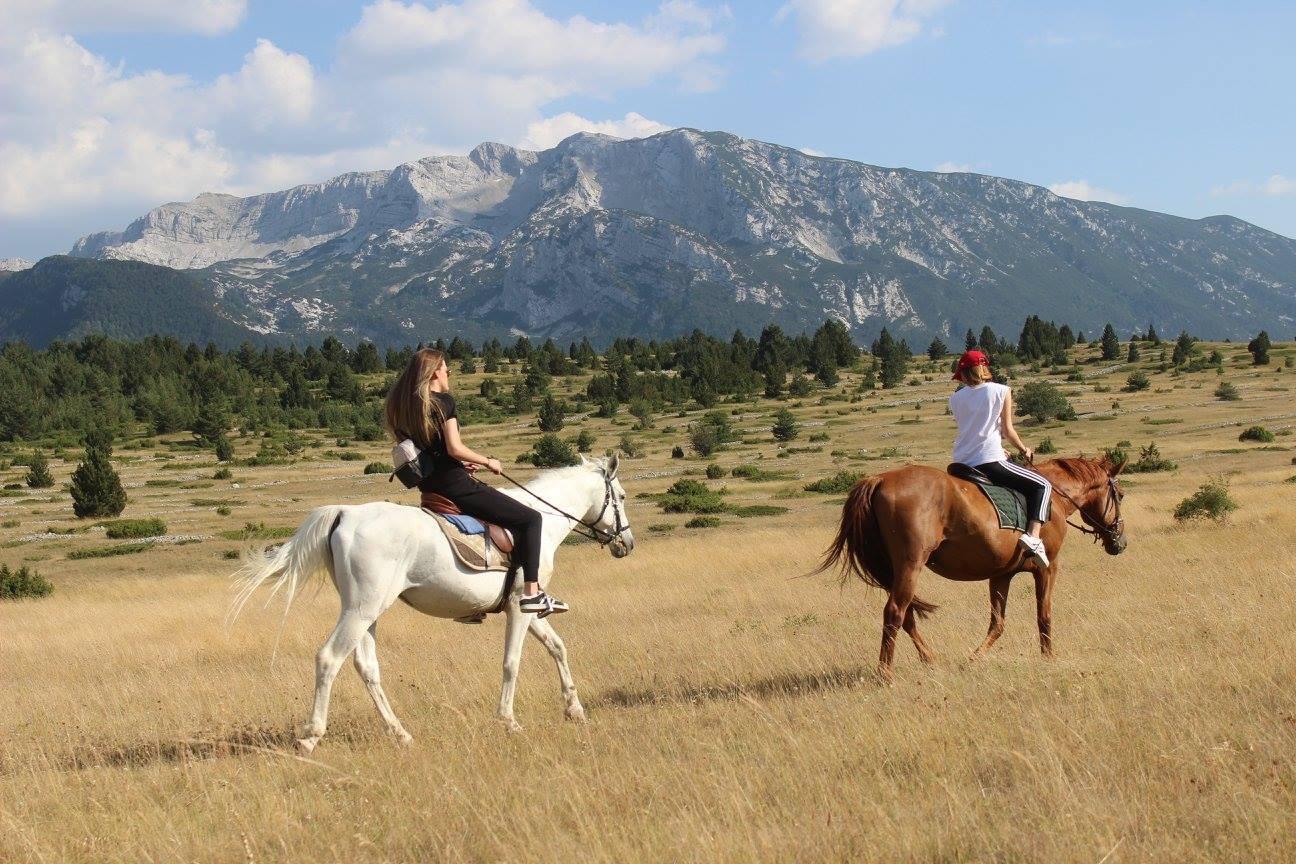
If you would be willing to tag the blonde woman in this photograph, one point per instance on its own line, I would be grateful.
(420, 407)
(984, 412)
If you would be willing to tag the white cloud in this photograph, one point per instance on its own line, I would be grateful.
(1083, 190)
(953, 168)
(543, 134)
(83, 16)
(408, 80)
(1275, 186)
(810, 151)
(853, 28)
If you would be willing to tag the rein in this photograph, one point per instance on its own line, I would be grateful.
(1099, 528)
(599, 535)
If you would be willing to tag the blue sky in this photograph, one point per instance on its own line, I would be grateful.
(110, 107)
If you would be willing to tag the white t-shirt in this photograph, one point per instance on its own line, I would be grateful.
(977, 410)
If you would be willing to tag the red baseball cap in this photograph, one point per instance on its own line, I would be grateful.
(970, 360)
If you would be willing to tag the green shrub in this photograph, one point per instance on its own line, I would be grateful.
(23, 582)
(1043, 401)
(819, 436)
(661, 528)
(786, 427)
(224, 510)
(1046, 447)
(377, 468)
(126, 529)
(1211, 501)
(1257, 433)
(1226, 392)
(259, 531)
(677, 452)
(714, 472)
(691, 496)
(223, 474)
(756, 474)
(550, 451)
(585, 441)
(842, 481)
(38, 474)
(110, 551)
(224, 449)
(1150, 459)
(702, 522)
(758, 510)
(1137, 380)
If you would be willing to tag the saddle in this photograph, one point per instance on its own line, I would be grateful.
(501, 538)
(1009, 504)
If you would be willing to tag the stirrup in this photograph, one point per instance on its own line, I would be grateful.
(542, 605)
(475, 618)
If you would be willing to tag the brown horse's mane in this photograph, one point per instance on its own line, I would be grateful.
(1079, 468)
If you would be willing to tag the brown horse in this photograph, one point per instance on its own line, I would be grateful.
(895, 523)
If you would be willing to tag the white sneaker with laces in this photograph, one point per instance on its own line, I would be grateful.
(1036, 547)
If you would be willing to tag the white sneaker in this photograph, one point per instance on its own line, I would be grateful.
(1036, 547)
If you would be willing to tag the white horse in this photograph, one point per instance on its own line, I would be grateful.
(379, 553)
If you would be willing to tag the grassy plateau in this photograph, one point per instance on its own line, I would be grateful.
(733, 711)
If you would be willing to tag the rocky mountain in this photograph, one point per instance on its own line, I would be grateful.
(684, 229)
(13, 265)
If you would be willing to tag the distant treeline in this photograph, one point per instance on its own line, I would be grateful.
(164, 386)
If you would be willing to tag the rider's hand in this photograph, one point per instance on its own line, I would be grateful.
(1028, 454)
(494, 466)
(471, 467)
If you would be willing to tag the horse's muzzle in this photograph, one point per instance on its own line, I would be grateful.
(1115, 546)
(622, 545)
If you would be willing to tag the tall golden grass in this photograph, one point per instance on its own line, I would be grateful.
(734, 715)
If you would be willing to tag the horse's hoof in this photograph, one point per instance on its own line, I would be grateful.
(576, 714)
(885, 678)
(306, 746)
(512, 726)
(404, 739)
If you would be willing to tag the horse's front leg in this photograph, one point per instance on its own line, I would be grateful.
(514, 630)
(998, 609)
(1044, 608)
(544, 631)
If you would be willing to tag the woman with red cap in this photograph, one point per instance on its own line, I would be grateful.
(984, 412)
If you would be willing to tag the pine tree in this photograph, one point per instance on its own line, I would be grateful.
(775, 377)
(212, 420)
(936, 350)
(1259, 348)
(224, 449)
(38, 473)
(96, 487)
(1133, 352)
(1152, 335)
(551, 416)
(785, 426)
(1185, 347)
(988, 341)
(969, 340)
(1110, 343)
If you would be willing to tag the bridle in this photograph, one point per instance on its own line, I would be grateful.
(599, 535)
(1100, 528)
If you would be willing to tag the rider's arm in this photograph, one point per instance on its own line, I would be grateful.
(1006, 426)
(456, 449)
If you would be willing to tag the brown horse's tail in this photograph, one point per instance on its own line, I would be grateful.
(858, 547)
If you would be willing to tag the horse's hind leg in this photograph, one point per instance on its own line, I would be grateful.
(902, 593)
(366, 663)
(340, 643)
(544, 631)
(998, 609)
(911, 627)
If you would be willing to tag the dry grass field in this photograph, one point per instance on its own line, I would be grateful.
(733, 712)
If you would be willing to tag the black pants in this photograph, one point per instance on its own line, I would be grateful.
(1032, 484)
(484, 502)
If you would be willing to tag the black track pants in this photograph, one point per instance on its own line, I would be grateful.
(1032, 484)
(491, 505)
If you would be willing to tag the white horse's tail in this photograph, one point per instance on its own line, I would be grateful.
(305, 556)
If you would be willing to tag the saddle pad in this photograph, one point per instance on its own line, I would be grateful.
(1009, 504)
(473, 551)
(466, 524)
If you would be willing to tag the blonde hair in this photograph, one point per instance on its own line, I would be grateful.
(976, 375)
(411, 411)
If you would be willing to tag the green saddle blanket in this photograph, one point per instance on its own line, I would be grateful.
(1009, 504)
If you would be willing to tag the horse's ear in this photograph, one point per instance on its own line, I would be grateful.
(1117, 467)
(584, 462)
(613, 465)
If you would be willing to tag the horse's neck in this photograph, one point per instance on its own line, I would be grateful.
(1076, 491)
(573, 498)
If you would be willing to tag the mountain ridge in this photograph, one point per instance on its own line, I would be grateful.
(599, 236)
